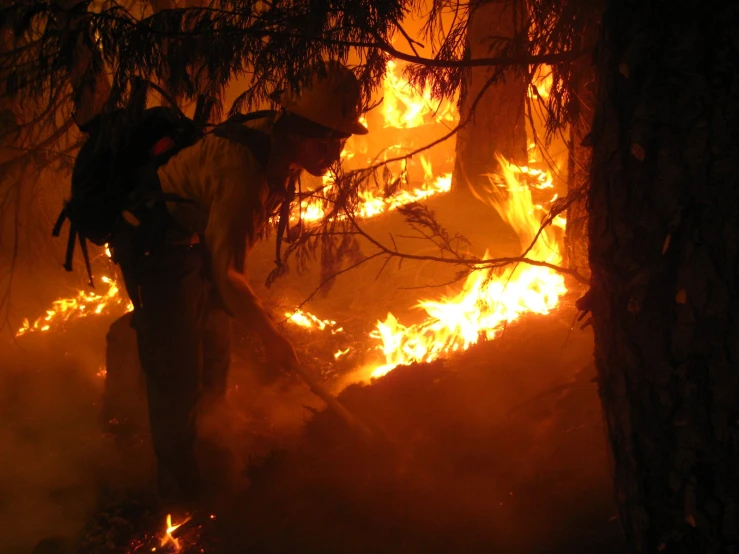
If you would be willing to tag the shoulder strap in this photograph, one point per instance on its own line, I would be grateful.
(257, 141)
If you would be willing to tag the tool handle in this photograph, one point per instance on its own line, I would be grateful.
(334, 403)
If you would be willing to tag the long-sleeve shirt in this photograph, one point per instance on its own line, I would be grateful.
(232, 199)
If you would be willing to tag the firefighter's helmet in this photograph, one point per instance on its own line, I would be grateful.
(332, 99)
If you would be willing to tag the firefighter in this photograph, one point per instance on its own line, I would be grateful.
(187, 282)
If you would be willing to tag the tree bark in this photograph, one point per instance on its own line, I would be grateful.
(580, 157)
(664, 232)
(498, 123)
(578, 184)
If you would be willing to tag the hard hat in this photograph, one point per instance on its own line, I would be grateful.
(332, 99)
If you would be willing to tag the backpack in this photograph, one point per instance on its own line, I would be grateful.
(108, 170)
(107, 167)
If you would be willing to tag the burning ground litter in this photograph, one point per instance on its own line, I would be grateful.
(499, 449)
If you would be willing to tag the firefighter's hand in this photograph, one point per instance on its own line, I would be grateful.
(280, 351)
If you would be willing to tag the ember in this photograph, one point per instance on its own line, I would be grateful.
(308, 320)
(168, 538)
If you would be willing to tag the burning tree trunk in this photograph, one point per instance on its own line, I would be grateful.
(664, 251)
(498, 123)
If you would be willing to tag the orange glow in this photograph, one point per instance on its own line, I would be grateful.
(487, 301)
(309, 321)
(541, 82)
(404, 106)
(169, 529)
(480, 307)
(374, 202)
(339, 353)
(363, 121)
(83, 305)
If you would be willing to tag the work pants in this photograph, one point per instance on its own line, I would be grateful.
(183, 343)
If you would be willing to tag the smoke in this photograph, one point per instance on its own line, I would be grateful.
(50, 437)
(500, 449)
(73, 445)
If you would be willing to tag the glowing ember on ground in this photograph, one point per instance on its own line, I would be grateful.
(339, 353)
(309, 321)
(83, 305)
(488, 301)
(168, 538)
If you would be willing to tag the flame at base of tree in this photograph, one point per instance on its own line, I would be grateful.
(489, 299)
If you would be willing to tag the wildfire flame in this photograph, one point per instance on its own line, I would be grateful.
(487, 301)
(84, 304)
(374, 202)
(404, 106)
(541, 82)
(309, 321)
(168, 538)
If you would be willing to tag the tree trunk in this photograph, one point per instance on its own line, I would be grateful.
(578, 184)
(498, 123)
(580, 157)
(664, 232)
